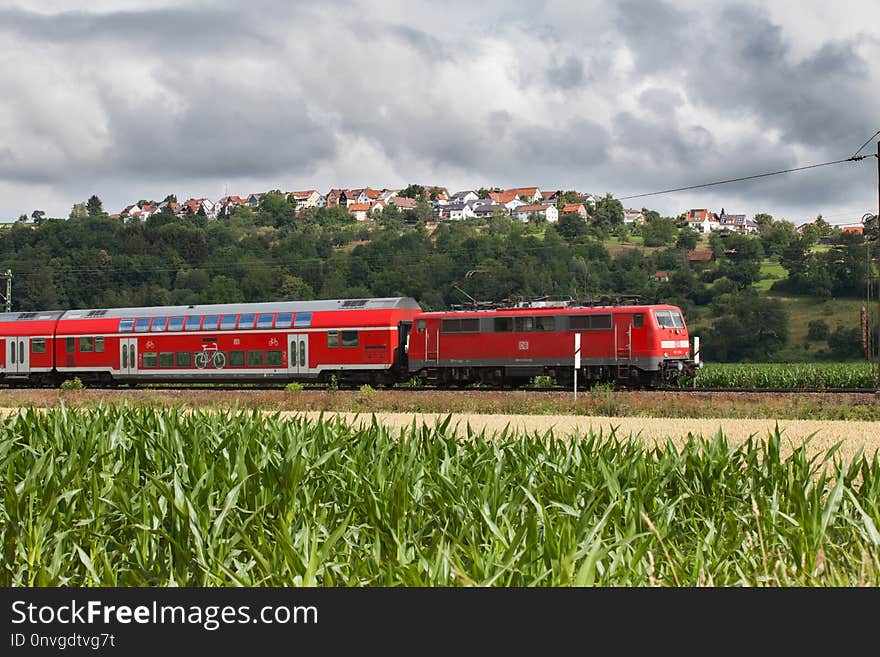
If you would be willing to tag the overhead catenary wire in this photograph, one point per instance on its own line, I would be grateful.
(854, 158)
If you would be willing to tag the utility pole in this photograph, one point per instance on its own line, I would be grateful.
(878, 235)
(8, 297)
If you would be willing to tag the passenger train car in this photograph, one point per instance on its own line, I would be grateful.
(377, 341)
(358, 340)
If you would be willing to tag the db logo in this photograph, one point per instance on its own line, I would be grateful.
(523, 345)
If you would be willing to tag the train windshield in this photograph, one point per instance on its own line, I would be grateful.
(669, 319)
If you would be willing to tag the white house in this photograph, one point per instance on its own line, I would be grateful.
(464, 197)
(633, 216)
(456, 211)
(548, 212)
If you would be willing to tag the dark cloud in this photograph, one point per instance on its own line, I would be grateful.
(630, 97)
(422, 42)
(171, 30)
(568, 74)
(824, 100)
(658, 33)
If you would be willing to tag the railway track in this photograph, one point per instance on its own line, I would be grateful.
(433, 389)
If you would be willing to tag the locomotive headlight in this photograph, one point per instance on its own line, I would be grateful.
(665, 354)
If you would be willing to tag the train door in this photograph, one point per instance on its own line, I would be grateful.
(128, 356)
(18, 359)
(432, 342)
(298, 354)
(623, 326)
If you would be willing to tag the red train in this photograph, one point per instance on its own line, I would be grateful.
(377, 341)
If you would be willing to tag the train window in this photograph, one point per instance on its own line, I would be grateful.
(460, 325)
(332, 339)
(236, 358)
(302, 320)
(126, 325)
(420, 325)
(264, 320)
(38, 345)
(142, 324)
(211, 322)
(158, 324)
(149, 359)
(349, 338)
(247, 321)
(175, 323)
(227, 322)
(503, 324)
(273, 358)
(589, 322)
(86, 345)
(545, 323)
(193, 323)
(284, 320)
(254, 358)
(70, 345)
(664, 319)
(166, 359)
(524, 324)
(99, 343)
(184, 358)
(638, 320)
(677, 321)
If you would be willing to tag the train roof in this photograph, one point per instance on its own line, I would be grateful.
(39, 316)
(321, 305)
(550, 310)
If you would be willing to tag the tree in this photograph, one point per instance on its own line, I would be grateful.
(38, 216)
(659, 231)
(273, 209)
(94, 207)
(846, 342)
(749, 328)
(571, 226)
(78, 211)
(687, 239)
(818, 329)
(764, 221)
(608, 212)
(424, 211)
(413, 191)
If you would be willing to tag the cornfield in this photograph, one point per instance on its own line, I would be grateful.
(787, 375)
(116, 496)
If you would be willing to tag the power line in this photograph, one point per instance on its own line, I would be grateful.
(854, 158)
(866, 142)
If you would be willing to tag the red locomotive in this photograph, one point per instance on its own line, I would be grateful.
(377, 341)
(633, 345)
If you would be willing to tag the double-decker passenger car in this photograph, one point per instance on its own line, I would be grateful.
(635, 345)
(356, 340)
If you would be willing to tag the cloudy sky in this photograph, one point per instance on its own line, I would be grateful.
(131, 99)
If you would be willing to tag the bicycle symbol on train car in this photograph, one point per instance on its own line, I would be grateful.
(210, 355)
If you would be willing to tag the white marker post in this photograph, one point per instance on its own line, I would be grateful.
(577, 362)
(696, 357)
